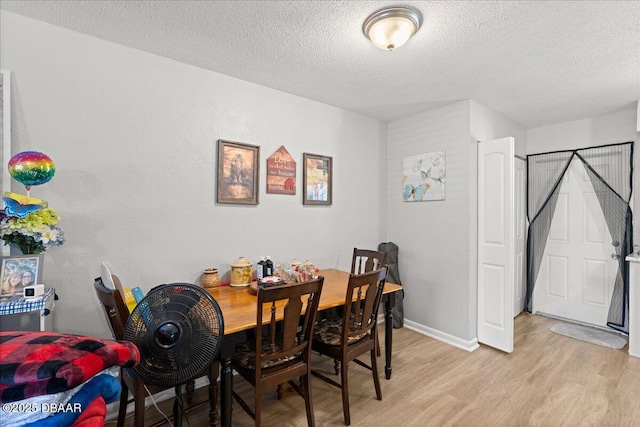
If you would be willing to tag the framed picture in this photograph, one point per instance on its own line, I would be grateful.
(281, 173)
(317, 185)
(16, 272)
(423, 177)
(238, 168)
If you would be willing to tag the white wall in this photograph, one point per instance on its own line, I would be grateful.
(133, 136)
(438, 239)
(611, 128)
(433, 236)
(487, 125)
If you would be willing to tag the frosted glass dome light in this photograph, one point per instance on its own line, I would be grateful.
(390, 28)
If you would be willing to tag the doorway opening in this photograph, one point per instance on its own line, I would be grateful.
(580, 230)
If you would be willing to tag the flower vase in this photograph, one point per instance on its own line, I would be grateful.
(30, 249)
(24, 249)
(210, 278)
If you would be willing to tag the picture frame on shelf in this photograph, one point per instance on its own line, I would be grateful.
(18, 271)
(317, 179)
(238, 173)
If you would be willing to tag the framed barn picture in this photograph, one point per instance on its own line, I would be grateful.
(238, 173)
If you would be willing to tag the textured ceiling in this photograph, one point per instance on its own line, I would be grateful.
(538, 63)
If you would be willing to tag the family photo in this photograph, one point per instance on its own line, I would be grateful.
(18, 272)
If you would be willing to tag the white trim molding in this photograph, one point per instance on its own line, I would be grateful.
(468, 345)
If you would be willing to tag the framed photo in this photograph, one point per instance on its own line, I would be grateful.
(238, 173)
(317, 183)
(16, 272)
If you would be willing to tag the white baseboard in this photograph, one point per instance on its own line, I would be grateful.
(469, 345)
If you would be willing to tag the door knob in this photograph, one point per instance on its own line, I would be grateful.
(615, 243)
(615, 256)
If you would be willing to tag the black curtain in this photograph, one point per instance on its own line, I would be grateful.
(610, 169)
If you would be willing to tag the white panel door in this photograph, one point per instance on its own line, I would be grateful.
(577, 274)
(520, 235)
(496, 249)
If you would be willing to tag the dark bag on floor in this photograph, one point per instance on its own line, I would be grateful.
(394, 277)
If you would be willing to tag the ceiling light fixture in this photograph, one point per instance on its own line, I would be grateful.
(391, 27)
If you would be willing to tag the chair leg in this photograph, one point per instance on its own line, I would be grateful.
(214, 370)
(376, 378)
(258, 403)
(279, 391)
(139, 404)
(306, 383)
(345, 395)
(189, 390)
(336, 366)
(379, 353)
(122, 409)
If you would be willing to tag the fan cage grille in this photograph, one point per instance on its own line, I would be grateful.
(198, 345)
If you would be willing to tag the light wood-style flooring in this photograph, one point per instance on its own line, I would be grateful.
(549, 380)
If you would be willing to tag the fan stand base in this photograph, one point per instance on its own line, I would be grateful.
(177, 409)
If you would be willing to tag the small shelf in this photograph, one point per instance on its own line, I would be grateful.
(20, 305)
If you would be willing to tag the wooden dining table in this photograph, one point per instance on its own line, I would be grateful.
(239, 311)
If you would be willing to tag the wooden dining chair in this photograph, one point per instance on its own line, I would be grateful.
(117, 315)
(281, 351)
(354, 334)
(363, 261)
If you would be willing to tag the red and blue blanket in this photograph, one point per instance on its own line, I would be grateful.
(38, 363)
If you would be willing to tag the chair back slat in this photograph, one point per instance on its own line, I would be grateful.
(365, 260)
(292, 311)
(288, 311)
(272, 327)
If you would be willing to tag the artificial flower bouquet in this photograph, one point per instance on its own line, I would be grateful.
(31, 230)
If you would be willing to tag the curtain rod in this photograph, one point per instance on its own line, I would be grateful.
(587, 156)
(584, 148)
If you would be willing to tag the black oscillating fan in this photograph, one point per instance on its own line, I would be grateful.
(178, 329)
